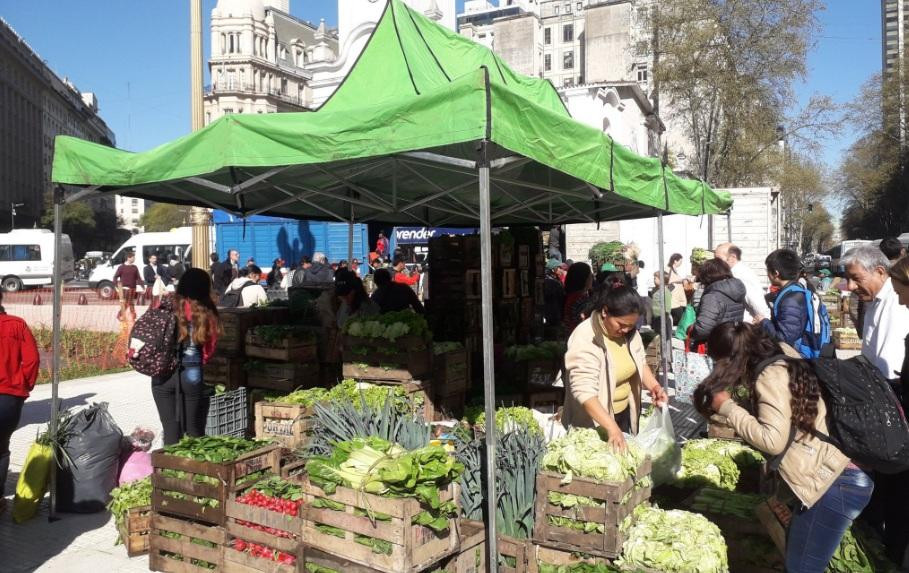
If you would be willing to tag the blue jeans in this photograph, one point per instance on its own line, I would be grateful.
(815, 533)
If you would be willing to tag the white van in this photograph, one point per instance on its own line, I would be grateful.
(175, 242)
(27, 258)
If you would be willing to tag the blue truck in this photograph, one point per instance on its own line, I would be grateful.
(268, 238)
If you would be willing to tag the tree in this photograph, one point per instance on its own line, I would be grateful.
(90, 226)
(164, 217)
(803, 189)
(724, 69)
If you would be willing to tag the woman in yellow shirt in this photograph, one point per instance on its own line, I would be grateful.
(606, 367)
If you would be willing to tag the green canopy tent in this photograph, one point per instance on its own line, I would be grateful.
(428, 127)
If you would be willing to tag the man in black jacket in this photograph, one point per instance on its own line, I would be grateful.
(392, 296)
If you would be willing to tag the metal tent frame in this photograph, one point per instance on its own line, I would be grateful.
(482, 176)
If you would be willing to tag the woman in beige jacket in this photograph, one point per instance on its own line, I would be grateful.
(780, 410)
(606, 367)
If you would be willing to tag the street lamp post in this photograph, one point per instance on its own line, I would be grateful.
(12, 214)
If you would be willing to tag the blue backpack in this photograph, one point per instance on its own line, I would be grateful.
(817, 327)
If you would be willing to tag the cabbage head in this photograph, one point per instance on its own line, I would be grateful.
(673, 542)
(583, 453)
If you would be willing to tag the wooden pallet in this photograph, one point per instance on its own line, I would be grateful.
(471, 557)
(283, 376)
(287, 424)
(541, 555)
(286, 350)
(407, 358)
(222, 481)
(450, 372)
(134, 530)
(160, 546)
(414, 547)
(238, 514)
(226, 370)
(620, 500)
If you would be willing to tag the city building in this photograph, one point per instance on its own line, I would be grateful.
(894, 24)
(36, 105)
(129, 212)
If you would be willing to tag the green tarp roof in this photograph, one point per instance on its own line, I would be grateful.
(417, 92)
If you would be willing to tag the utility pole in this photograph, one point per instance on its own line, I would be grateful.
(199, 217)
(12, 214)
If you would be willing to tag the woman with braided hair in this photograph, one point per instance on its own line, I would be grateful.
(778, 408)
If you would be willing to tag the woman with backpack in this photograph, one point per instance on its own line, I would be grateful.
(182, 398)
(779, 410)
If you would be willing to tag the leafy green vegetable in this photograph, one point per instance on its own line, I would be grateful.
(389, 326)
(350, 391)
(507, 419)
(722, 502)
(518, 456)
(576, 568)
(275, 334)
(216, 449)
(700, 255)
(380, 467)
(673, 542)
(584, 453)
(542, 351)
(715, 462)
(127, 496)
(849, 557)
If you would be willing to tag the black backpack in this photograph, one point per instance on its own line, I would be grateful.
(865, 419)
(234, 298)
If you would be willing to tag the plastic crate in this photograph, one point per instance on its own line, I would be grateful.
(228, 414)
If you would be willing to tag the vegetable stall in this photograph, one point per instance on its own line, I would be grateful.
(449, 135)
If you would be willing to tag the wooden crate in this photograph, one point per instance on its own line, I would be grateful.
(551, 556)
(336, 563)
(721, 432)
(238, 516)
(227, 475)
(407, 358)
(287, 350)
(292, 467)
(471, 557)
(160, 546)
(617, 508)
(235, 322)
(414, 548)
(287, 424)
(546, 399)
(449, 372)
(775, 517)
(283, 376)
(449, 407)
(134, 530)
(847, 342)
(227, 370)
(519, 550)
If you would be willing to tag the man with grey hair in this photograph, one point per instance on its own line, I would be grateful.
(319, 271)
(886, 321)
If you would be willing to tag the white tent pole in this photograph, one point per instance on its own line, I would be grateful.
(729, 225)
(664, 318)
(55, 365)
(489, 401)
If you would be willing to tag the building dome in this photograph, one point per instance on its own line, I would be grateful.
(238, 8)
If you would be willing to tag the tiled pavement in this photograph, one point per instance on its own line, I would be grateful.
(74, 543)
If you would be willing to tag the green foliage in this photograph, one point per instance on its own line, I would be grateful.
(507, 419)
(274, 335)
(550, 350)
(610, 252)
(390, 326)
(445, 347)
(83, 353)
(161, 217)
(216, 449)
(715, 463)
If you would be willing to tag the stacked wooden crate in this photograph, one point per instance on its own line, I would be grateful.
(450, 382)
(190, 499)
(614, 503)
(134, 529)
(406, 361)
(226, 367)
(281, 358)
(287, 424)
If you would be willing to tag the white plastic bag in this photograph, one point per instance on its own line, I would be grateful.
(657, 439)
(158, 289)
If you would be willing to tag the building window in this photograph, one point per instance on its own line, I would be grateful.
(228, 110)
(568, 33)
(555, 9)
(580, 6)
(547, 62)
(568, 7)
(547, 36)
(135, 202)
(568, 60)
(568, 82)
(642, 73)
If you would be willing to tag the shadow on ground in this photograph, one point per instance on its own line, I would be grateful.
(38, 411)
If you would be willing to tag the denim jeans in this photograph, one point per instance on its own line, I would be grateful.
(815, 533)
(182, 399)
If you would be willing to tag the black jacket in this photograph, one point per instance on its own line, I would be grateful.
(394, 297)
(318, 273)
(722, 301)
(148, 274)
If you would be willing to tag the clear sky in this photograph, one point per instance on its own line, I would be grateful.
(134, 55)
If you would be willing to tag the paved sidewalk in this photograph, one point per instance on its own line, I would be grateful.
(74, 543)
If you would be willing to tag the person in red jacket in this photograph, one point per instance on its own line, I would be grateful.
(401, 277)
(18, 372)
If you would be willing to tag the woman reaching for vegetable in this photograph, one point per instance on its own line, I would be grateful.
(784, 409)
(606, 367)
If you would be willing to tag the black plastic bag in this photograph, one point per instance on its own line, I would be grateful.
(94, 447)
